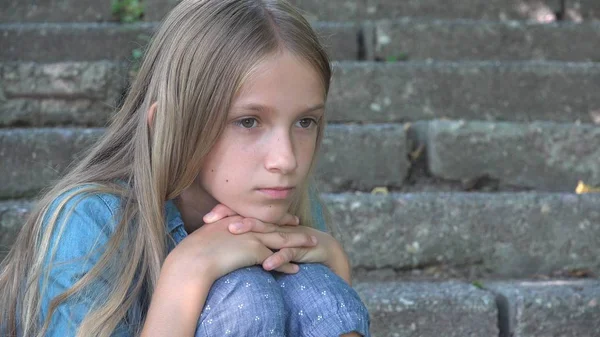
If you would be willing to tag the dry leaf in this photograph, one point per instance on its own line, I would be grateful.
(414, 155)
(583, 188)
(380, 190)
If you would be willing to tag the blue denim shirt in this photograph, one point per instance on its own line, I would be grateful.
(89, 221)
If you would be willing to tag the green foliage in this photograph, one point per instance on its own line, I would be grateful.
(397, 58)
(138, 53)
(478, 284)
(127, 11)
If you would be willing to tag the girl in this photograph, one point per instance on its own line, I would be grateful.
(226, 114)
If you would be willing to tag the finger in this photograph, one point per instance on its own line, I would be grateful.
(252, 225)
(217, 213)
(289, 220)
(279, 240)
(279, 259)
(288, 268)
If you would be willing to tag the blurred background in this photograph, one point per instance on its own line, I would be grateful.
(461, 148)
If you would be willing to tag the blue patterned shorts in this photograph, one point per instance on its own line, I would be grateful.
(254, 302)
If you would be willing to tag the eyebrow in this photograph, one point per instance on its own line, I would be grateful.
(259, 108)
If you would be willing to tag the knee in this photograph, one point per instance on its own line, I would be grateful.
(323, 303)
(247, 301)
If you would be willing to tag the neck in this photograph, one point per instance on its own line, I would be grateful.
(194, 204)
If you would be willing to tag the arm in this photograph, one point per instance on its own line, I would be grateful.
(85, 225)
(196, 262)
(176, 303)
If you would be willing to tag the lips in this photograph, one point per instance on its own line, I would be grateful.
(277, 192)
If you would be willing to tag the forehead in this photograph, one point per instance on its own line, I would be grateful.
(282, 79)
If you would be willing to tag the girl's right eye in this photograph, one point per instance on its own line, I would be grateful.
(247, 123)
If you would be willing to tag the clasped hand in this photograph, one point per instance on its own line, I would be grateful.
(300, 244)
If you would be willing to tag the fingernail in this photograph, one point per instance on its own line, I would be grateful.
(209, 216)
(313, 239)
(268, 265)
(236, 227)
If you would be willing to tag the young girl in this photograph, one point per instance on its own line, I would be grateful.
(183, 219)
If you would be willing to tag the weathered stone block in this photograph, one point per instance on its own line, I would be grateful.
(339, 39)
(51, 112)
(505, 234)
(59, 93)
(69, 79)
(543, 156)
(349, 10)
(476, 40)
(155, 10)
(54, 11)
(548, 308)
(33, 158)
(362, 157)
(12, 218)
(58, 42)
(579, 10)
(331, 10)
(426, 309)
(398, 92)
(110, 41)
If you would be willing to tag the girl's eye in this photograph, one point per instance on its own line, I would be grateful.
(306, 123)
(247, 123)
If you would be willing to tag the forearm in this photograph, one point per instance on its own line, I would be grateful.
(339, 263)
(176, 306)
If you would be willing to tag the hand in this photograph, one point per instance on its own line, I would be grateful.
(221, 211)
(212, 251)
(328, 250)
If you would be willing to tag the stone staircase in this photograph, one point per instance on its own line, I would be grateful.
(474, 118)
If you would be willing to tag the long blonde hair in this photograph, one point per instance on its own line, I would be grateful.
(193, 67)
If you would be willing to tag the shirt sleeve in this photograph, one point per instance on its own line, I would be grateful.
(79, 237)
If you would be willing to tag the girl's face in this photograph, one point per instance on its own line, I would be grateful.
(266, 149)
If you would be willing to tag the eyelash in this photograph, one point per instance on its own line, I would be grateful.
(240, 122)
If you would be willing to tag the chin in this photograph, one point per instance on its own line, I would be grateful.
(266, 213)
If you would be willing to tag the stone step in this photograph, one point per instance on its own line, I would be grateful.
(85, 93)
(497, 235)
(519, 308)
(387, 40)
(331, 10)
(542, 156)
(506, 91)
(33, 158)
(427, 309)
(579, 10)
(60, 42)
(566, 308)
(342, 10)
(539, 156)
(464, 40)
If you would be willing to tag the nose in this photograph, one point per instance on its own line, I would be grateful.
(281, 156)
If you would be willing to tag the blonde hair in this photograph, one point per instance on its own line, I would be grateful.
(193, 68)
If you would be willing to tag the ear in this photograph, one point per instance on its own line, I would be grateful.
(151, 112)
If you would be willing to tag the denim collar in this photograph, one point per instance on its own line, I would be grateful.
(173, 216)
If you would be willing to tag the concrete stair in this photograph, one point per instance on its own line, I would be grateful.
(478, 117)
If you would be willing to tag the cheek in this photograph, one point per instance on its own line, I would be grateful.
(306, 151)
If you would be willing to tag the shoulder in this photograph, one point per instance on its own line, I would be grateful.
(80, 219)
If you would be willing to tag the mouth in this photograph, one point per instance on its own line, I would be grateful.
(277, 192)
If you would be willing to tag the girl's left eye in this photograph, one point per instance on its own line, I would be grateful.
(306, 123)
(247, 123)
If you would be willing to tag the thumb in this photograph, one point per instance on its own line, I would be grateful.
(217, 213)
